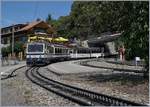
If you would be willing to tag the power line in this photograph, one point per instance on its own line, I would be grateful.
(36, 10)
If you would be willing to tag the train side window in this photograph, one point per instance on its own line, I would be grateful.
(87, 51)
(79, 51)
(93, 50)
(71, 51)
(82, 51)
(56, 50)
(51, 50)
(60, 50)
(65, 51)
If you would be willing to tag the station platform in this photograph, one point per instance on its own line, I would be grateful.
(72, 67)
(123, 67)
(98, 66)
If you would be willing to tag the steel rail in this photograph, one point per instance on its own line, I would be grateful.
(11, 74)
(30, 75)
(81, 96)
(95, 98)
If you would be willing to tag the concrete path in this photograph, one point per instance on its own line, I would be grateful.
(70, 67)
(5, 70)
(114, 66)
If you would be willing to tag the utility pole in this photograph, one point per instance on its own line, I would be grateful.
(0, 48)
(13, 42)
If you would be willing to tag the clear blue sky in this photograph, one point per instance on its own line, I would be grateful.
(14, 12)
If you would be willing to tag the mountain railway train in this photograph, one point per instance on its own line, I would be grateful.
(42, 53)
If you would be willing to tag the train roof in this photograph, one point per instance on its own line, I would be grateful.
(50, 44)
(86, 48)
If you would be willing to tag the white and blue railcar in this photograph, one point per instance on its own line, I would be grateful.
(44, 53)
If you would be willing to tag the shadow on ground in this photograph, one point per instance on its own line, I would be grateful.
(123, 78)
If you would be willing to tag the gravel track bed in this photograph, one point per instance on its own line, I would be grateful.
(20, 91)
(122, 85)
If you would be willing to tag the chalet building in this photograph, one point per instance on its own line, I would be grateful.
(22, 32)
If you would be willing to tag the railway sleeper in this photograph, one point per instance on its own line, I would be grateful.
(97, 98)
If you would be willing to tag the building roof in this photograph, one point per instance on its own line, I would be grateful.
(22, 25)
(31, 25)
(38, 23)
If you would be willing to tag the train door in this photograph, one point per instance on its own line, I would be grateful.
(70, 52)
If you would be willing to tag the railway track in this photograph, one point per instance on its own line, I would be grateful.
(75, 94)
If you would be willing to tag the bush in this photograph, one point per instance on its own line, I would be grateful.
(5, 51)
(18, 47)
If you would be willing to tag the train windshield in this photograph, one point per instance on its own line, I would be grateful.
(35, 48)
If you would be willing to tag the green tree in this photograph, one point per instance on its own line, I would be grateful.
(18, 47)
(134, 23)
(91, 18)
(49, 19)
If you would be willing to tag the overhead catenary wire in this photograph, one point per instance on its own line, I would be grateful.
(36, 10)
